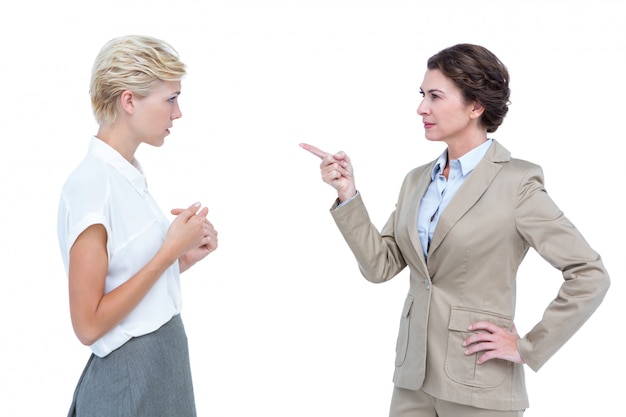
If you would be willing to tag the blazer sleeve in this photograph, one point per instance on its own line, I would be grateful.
(540, 223)
(377, 254)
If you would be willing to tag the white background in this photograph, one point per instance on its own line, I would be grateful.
(280, 321)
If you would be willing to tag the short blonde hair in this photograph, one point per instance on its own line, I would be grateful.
(135, 63)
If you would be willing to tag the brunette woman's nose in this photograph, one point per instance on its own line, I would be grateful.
(422, 109)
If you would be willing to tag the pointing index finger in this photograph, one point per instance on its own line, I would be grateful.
(315, 151)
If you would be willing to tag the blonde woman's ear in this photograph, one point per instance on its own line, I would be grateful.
(127, 101)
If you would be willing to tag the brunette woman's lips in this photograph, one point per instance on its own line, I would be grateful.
(428, 125)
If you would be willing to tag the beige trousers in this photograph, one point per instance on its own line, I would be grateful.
(408, 403)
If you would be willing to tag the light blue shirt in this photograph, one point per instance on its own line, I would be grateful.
(441, 191)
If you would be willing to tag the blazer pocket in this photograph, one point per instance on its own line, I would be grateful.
(465, 369)
(403, 334)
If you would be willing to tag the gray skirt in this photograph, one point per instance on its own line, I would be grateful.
(147, 376)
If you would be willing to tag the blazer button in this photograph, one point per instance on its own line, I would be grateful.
(427, 283)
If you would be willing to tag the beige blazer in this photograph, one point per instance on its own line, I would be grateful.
(481, 238)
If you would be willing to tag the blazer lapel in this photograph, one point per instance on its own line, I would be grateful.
(470, 192)
(418, 189)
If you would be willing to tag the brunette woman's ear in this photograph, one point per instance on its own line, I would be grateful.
(477, 110)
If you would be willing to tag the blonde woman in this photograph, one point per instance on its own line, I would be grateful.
(122, 255)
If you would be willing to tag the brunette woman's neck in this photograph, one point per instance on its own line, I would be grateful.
(457, 149)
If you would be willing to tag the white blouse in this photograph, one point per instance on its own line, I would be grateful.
(106, 189)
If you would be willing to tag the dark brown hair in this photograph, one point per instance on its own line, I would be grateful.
(480, 76)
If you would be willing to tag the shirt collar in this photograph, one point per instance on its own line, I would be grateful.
(467, 162)
(132, 172)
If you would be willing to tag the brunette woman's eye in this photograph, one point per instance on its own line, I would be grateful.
(172, 100)
(422, 94)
